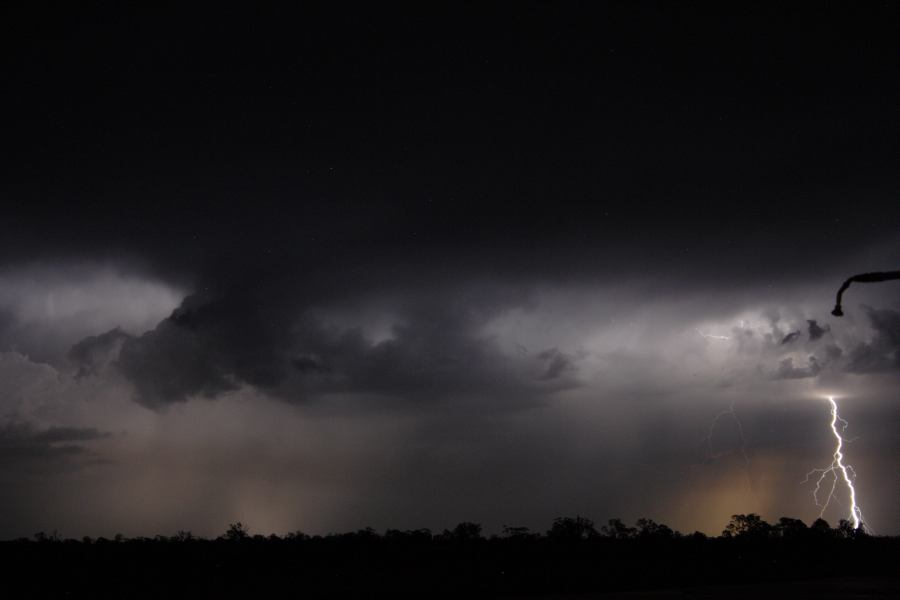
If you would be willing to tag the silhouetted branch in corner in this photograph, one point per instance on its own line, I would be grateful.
(862, 278)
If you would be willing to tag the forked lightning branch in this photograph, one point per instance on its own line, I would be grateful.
(838, 472)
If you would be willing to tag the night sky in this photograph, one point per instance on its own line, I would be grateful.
(329, 270)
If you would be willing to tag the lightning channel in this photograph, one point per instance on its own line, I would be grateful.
(837, 471)
(710, 336)
(732, 414)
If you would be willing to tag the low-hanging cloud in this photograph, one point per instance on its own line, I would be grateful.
(816, 331)
(790, 338)
(558, 363)
(22, 440)
(437, 349)
(882, 352)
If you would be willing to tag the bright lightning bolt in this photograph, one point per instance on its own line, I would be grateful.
(838, 471)
(713, 337)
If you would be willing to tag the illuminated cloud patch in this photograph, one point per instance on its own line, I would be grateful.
(45, 309)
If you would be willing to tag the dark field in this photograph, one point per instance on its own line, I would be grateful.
(825, 589)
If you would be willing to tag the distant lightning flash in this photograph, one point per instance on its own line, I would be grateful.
(713, 337)
(837, 470)
(740, 430)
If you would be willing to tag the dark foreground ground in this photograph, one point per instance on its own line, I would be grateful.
(571, 561)
(842, 588)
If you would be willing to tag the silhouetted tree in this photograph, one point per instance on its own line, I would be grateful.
(572, 528)
(846, 530)
(411, 535)
(460, 561)
(236, 532)
(650, 529)
(40, 536)
(821, 528)
(791, 528)
(183, 536)
(617, 530)
(747, 526)
(464, 532)
(367, 533)
(518, 533)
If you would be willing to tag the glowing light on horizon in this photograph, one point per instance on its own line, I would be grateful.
(838, 471)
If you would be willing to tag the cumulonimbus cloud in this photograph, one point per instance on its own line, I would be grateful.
(215, 344)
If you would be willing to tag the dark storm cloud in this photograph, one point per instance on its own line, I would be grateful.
(20, 440)
(7, 320)
(833, 352)
(882, 352)
(68, 434)
(94, 352)
(310, 364)
(815, 330)
(437, 349)
(285, 340)
(790, 338)
(558, 363)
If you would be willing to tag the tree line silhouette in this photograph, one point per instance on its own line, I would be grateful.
(573, 556)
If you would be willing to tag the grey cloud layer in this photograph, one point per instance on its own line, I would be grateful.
(45, 309)
(21, 440)
(437, 350)
(815, 331)
(882, 353)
